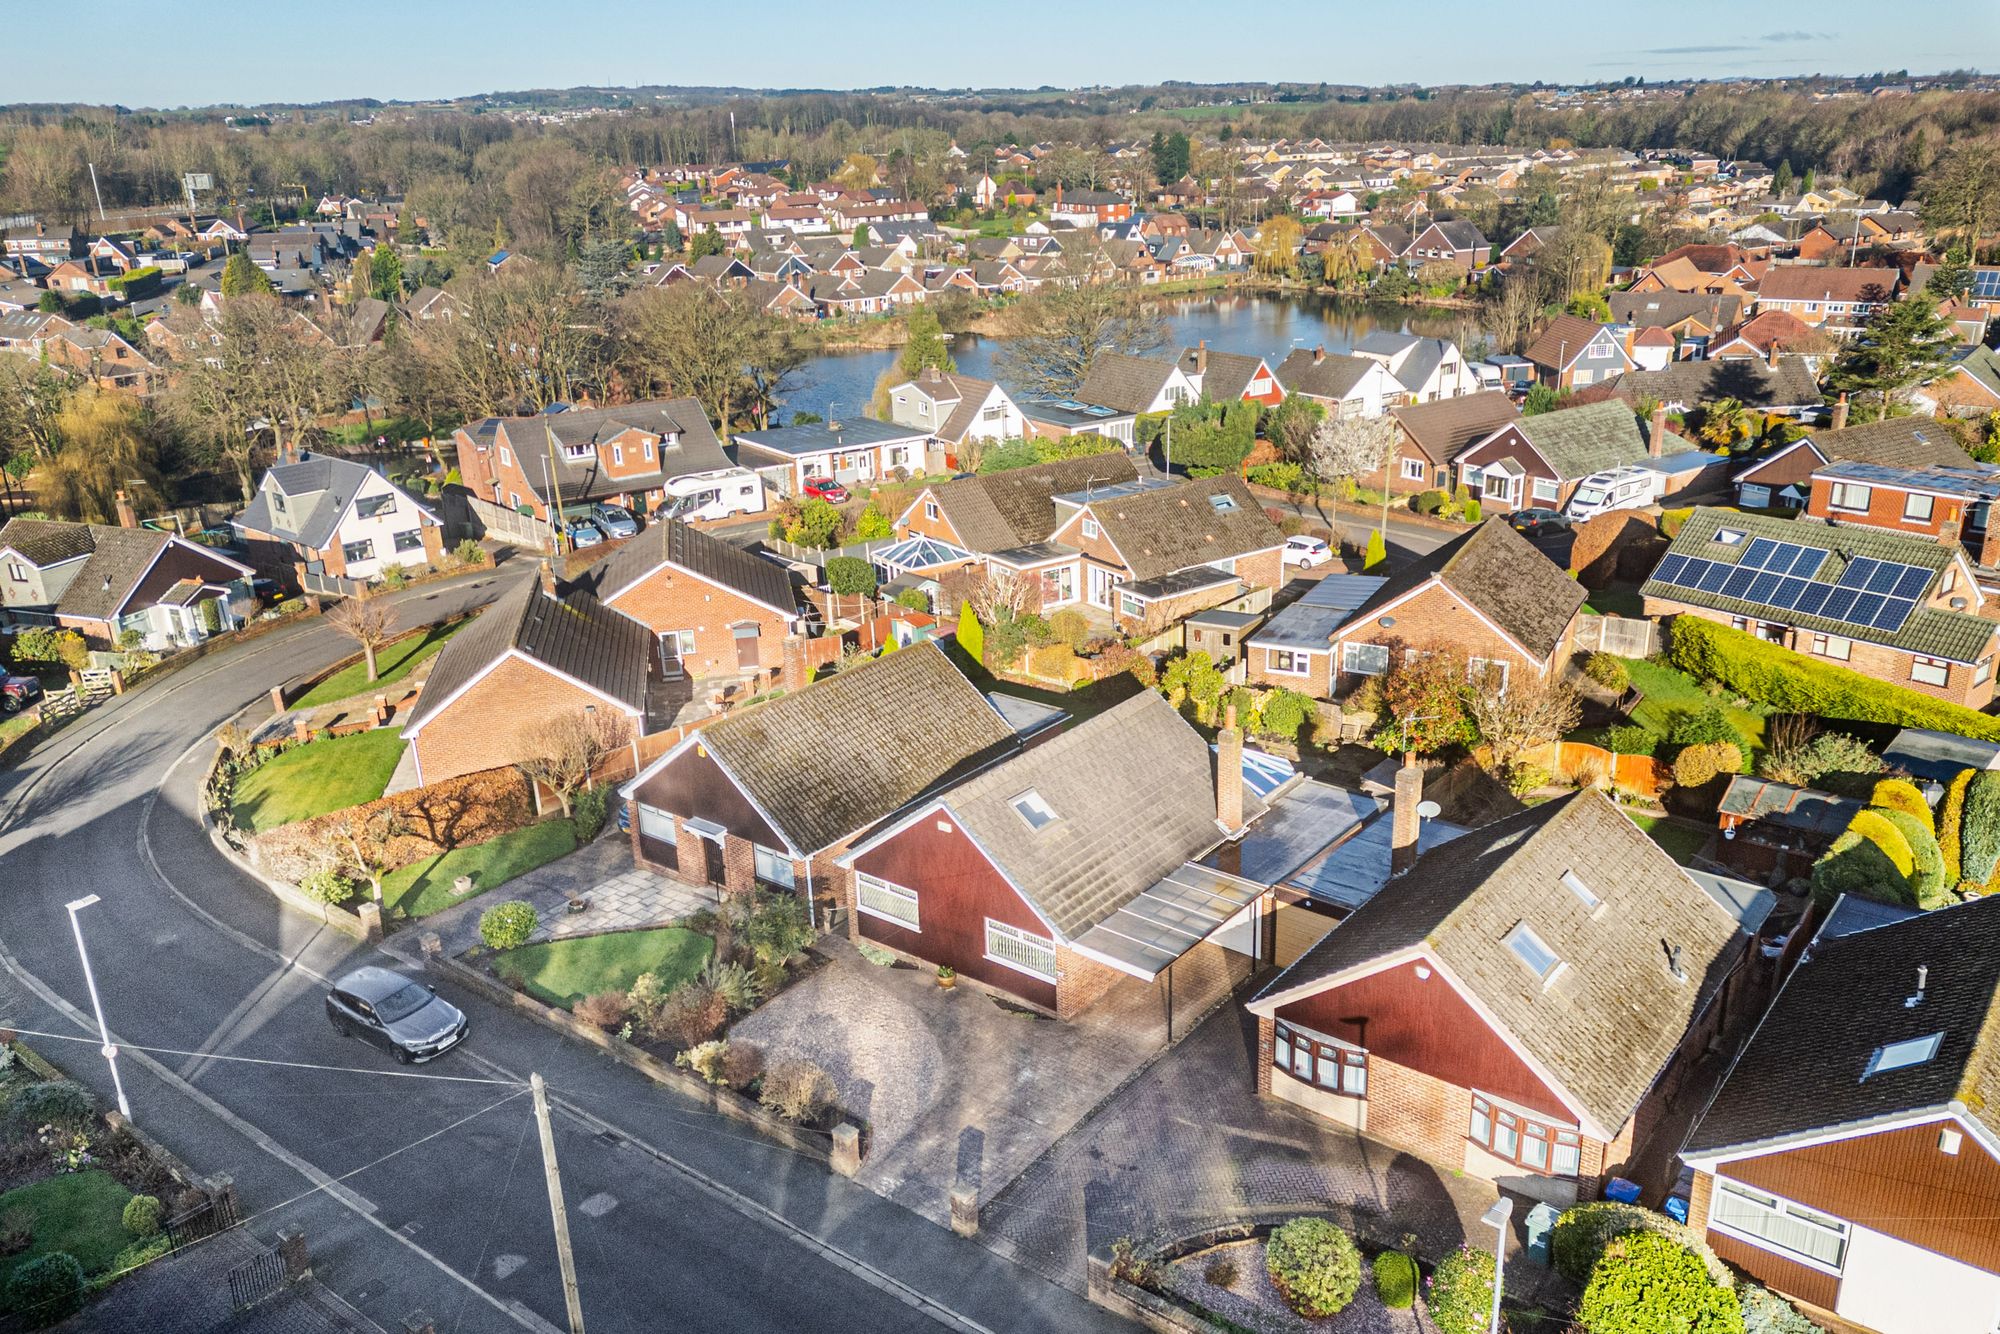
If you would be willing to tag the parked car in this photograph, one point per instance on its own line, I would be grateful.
(582, 533)
(825, 488)
(1537, 522)
(615, 520)
(1306, 552)
(18, 692)
(403, 1017)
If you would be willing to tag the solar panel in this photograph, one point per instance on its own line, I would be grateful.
(1786, 594)
(1864, 609)
(1712, 577)
(1857, 573)
(1808, 562)
(1894, 612)
(1884, 579)
(1912, 583)
(1986, 284)
(1811, 598)
(1763, 586)
(1758, 555)
(1839, 602)
(1670, 569)
(1738, 583)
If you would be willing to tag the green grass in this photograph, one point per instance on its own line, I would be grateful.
(1617, 600)
(1669, 693)
(79, 1212)
(424, 887)
(13, 727)
(563, 972)
(326, 775)
(1679, 841)
(393, 663)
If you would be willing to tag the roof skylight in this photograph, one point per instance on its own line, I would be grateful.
(1902, 1055)
(1574, 883)
(1533, 951)
(1033, 809)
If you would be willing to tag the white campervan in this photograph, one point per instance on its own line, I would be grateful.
(1628, 488)
(713, 495)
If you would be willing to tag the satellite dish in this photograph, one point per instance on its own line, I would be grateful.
(1428, 809)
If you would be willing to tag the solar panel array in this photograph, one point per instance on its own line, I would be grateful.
(1986, 284)
(1872, 594)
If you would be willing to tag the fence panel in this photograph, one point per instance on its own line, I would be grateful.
(1624, 636)
(486, 519)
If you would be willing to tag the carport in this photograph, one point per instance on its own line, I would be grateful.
(1196, 921)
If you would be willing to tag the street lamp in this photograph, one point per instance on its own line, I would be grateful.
(1496, 1217)
(90, 980)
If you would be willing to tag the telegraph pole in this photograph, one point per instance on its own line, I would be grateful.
(572, 1298)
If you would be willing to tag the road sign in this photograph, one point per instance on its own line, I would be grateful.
(198, 180)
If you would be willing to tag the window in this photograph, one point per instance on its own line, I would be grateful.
(1574, 884)
(506, 459)
(1413, 470)
(993, 413)
(1034, 809)
(1017, 949)
(772, 867)
(368, 507)
(1729, 537)
(351, 552)
(412, 540)
(1474, 478)
(1132, 605)
(1546, 490)
(1929, 671)
(17, 572)
(1917, 508)
(514, 500)
(1833, 646)
(1337, 1067)
(618, 455)
(1499, 486)
(1364, 659)
(647, 445)
(1289, 661)
(1222, 504)
(1778, 1225)
(1901, 1055)
(1089, 526)
(1541, 1145)
(931, 510)
(1983, 671)
(1531, 950)
(1488, 674)
(1950, 580)
(892, 903)
(1850, 496)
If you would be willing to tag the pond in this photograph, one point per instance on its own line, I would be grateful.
(1269, 326)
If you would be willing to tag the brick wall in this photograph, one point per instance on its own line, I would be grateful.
(1885, 509)
(1317, 682)
(1698, 1196)
(489, 726)
(1432, 618)
(1419, 1112)
(1267, 1048)
(671, 599)
(1080, 982)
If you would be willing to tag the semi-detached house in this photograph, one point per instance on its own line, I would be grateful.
(622, 455)
(1784, 480)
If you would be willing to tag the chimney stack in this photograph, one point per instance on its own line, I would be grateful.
(546, 578)
(1656, 437)
(794, 675)
(1201, 357)
(1406, 823)
(1772, 361)
(1319, 353)
(127, 518)
(1229, 772)
(1839, 413)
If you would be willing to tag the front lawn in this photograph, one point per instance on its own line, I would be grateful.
(1670, 693)
(1679, 841)
(330, 774)
(563, 972)
(424, 887)
(78, 1212)
(393, 663)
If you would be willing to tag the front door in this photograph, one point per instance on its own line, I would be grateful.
(746, 646)
(712, 870)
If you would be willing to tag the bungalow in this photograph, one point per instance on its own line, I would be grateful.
(1847, 1164)
(853, 451)
(1903, 609)
(1345, 386)
(998, 512)
(336, 517)
(1054, 876)
(1762, 335)
(531, 658)
(1137, 384)
(1784, 479)
(1230, 377)
(1571, 352)
(1434, 433)
(1836, 300)
(765, 796)
(1693, 318)
(1538, 461)
(1425, 369)
(105, 582)
(1522, 1004)
(1782, 386)
(1488, 593)
(1969, 387)
(1460, 244)
(621, 455)
(954, 408)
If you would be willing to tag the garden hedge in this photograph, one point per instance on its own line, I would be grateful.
(1874, 826)
(1459, 1296)
(1647, 1283)
(1927, 883)
(971, 634)
(427, 822)
(1853, 865)
(1900, 794)
(1951, 814)
(1796, 684)
(1577, 1243)
(1979, 831)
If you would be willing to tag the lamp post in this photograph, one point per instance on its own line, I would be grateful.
(90, 980)
(1497, 1216)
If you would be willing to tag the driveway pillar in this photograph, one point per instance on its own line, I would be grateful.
(370, 913)
(965, 1210)
(846, 1158)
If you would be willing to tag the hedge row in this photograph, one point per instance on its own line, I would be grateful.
(1979, 833)
(1797, 684)
(1951, 817)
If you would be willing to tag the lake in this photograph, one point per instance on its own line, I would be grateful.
(1268, 326)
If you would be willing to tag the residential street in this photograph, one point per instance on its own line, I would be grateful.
(436, 1201)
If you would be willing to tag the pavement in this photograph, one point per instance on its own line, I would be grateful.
(418, 1189)
(188, 1293)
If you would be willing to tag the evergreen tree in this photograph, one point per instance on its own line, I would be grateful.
(926, 347)
(1952, 278)
(240, 276)
(1783, 181)
(385, 273)
(671, 240)
(706, 244)
(1904, 344)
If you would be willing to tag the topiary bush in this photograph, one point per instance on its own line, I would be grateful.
(1979, 832)
(588, 811)
(1877, 828)
(142, 1215)
(57, 1103)
(1647, 1283)
(1853, 865)
(1927, 883)
(45, 1289)
(1631, 739)
(507, 926)
(1608, 670)
(1900, 794)
(1070, 627)
(1396, 1280)
(1459, 1295)
(1578, 1240)
(1951, 814)
(1314, 1265)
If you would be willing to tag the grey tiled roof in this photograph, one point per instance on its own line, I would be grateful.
(1332, 376)
(1900, 442)
(1580, 441)
(1127, 383)
(1606, 1025)
(46, 542)
(1956, 635)
(1502, 576)
(317, 491)
(671, 542)
(1748, 380)
(1443, 428)
(1003, 510)
(117, 560)
(1173, 527)
(1228, 373)
(696, 450)
(833, 759)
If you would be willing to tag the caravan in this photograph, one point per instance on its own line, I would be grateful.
(713, 495)
(1628, 488)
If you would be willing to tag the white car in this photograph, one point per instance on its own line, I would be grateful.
(1306, 552)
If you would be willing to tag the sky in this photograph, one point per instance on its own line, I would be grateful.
(450, 48)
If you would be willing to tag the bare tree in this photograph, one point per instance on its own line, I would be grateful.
(564, 751)
(1353, 447)
(713, 345)
(1527, 713)
(1082, 312)
(1000, 595)
(357, 846)
(366, 622)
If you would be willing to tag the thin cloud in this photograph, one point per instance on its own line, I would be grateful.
(1692, 50)
(1796, 36)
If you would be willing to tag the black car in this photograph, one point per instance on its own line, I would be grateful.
(1538, 522)
(18, 692)
(407, 1019)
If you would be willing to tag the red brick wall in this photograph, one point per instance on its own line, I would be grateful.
(1099, 548)
(1081, 982)
(489, 725)
(671, 599)
(1317, 683)
(918, 525)
(1437, 617)
(1885, 509)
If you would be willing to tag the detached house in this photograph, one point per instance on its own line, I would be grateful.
(1852, 1155)
(1137, 384)
(105, 582)
(1539, 460)
(954, 408)
(1000, 513)
(1425, 369)
(1839, 300)
(624, 455)
(1572, 352)
(1230, 377)
(712, 608)
(1344, 386)
(1784, 479)
(1522, 1004)
(1433, 434)
(336, 517)
(853, 450)
(1460, 244)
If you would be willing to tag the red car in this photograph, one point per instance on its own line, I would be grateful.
(825, 488)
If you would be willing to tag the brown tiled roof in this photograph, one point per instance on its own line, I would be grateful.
(1175, 527)
(1894, 442)
(1127, 383)
(1443, 428)
(1228, 373)
(1559, 343)
(671, 542)
(1748, 380)
(1502, 576)
(1001, 510)
(1803, 282)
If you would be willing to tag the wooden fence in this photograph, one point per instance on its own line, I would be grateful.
(1575, 761)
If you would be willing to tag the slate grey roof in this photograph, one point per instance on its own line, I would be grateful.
(575, 635)
(1982, 365)
(833, 759)
(46, 542)
(1749, 380)
(1001, 511)
(1310, 622)
(1959, 636)
(1332, 376)
(1606, 1024)
(1806, 1069)
(1659, 310)
(674, 543)
(1563, 339)
(1501, 575)
(1444, 428)
(1410, 358)
(1577, 442)
(1127, 383)
(1939, 755)
(317, 491)
(820, 437)
(1897, 442)
(1173, 527)
(696, 450)
(116, 562)
(1228, 373)
(1115, 832)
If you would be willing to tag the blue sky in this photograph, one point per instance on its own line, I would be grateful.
(455, 47)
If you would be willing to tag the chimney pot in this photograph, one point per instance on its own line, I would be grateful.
(1229, 772)
(127, 517)
(1405, 822)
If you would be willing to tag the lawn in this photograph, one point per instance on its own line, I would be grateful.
(1679, 841)
(326, 775)
(1617, 600)
(563, 972)
(424, 887)
(1669, 693)
(393, 663)
(13, 727)
(78, 1212)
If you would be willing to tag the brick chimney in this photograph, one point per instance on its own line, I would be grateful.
(1406, 823)
(1839, 413)
(546, 577)
(1656, 436)
(1319, 354)
(1772, 359)
(1989, 543)
(1229, 772)
(127, 518)
(794, 675)
(1201, 357)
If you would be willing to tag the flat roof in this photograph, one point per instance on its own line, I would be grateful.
(823, 437)
(1178, 582)
(1035, 553)
(1353, 871)
(1168, 918)
(1310, 622)
(1939, 755)
(1026, 716)
(1298, 827)
(1227, 620)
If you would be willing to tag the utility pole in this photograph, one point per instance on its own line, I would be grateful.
(101, 216)
(571, 1297)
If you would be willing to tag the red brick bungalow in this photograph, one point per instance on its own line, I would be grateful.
(997, 511)
(1521, 1005)
(1431, 435)
(1537, 462)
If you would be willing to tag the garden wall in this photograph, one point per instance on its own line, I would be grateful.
(471, 808)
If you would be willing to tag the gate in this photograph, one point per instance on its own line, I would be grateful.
(203, 1221)
(94, 685)
(255, 1279)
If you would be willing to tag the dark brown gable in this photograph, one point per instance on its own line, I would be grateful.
(1793, 467)
(1509, 443)
(694, 786)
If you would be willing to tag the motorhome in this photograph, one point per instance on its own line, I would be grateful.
(1627, 488)
(713, 495)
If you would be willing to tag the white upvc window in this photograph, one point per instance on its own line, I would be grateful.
(1021, 950)
(890, 902)
(772, 867)
(1850, 496)
(1776, 1224)
(1546, 490)
(1930, 671)
(1488, 672)
(931, 510)
(1089, 527)
(506, 459)
(1413, 470)
(1364, 659)
(1291, 662)
(1917, 507)
(1832, 646)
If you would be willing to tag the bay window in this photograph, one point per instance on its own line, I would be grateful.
(1536, 1143)
(1327, 1063)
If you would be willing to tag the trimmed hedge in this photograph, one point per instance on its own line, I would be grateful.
(1648, 1283)
(971, 634)
(1874, 826)
(1951, 814)
(1631, 739)
(1581, 1234)
(1927, 882)
(1855, 866)
(1900, 794)
(1979, 833)
(1796, 684)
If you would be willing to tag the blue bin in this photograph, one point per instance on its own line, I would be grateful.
(1621, 1190)
(1677, 1208)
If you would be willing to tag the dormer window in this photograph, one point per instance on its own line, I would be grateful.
(1034, 810)
(1533, 951)
(583, 451)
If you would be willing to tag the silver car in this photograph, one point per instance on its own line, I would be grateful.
(405, 1018)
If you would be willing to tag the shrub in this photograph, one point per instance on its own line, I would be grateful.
(1631, 739)
(1671, 521)
(1796, 684)
(850, 576)
(1951, 812)
(1705, 727)
(1430, 502)
(469, 552)
(1814, 761)
(1473, 513)
(1927, 883)
(142, 1215)
(705, 1059)
(1765, 1312)
(1220, 1272)
(1853, 865)
(1581, 1234)
(1646, 1283)
(778, 928)
(588, 810)
(508, 925)
(1285, 712)
(796, 1090)
(692, 1015)
(1460, 1294)
(1315, 1266)
(608, 1010)
(1377, 552)
(914, 598)
(46, 1289)
(323, 884)
(393, 577)
(57, 1103)
(1874, 826)
(872, 524)
(738, 986)
(1702, 763)
(1122, 659)
(1396, 1280)
(1979, 833)
(1056, 662)
(17, 1230)
(742, 1064)
(1608, 670)
(54, 648)
(1069, 627)
(1900, 794)
(971, 635)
